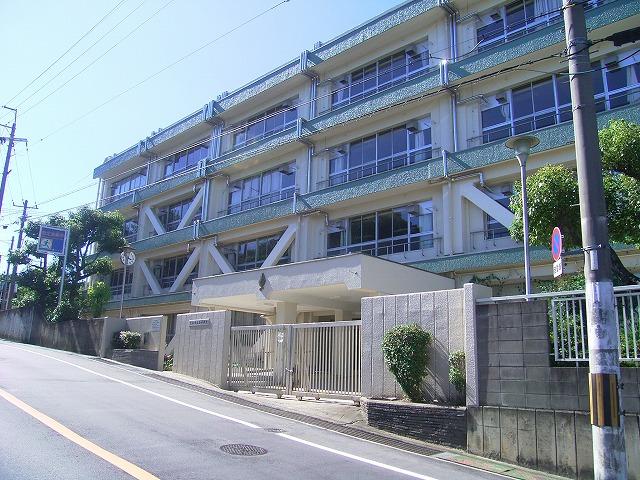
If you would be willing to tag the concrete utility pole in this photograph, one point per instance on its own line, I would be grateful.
(609, 456)
(5, 285)
(14, 272)
(12, 138)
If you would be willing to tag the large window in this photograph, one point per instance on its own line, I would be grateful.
(185, 159)
(171, 215)
(546, 102)
(127, 184)
(170, 268)
(117, 277)
(383, 151)
(130, 230)
(384, 232)
(493, 228)
(267, 123)
(516, 19)
(252, 254)
(380, 75)
(263, 189)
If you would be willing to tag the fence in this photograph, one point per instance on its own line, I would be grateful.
(569, 318)
(317, 359)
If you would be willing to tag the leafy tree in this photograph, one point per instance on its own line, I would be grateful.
(554, 201)
(39, 282)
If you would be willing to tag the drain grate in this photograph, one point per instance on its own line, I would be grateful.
(274, 430)
(243, 449)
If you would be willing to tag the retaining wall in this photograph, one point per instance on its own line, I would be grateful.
(557, 441)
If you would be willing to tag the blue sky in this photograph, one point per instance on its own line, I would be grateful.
(36, 32)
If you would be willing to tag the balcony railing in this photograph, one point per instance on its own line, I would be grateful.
(424, 154)
(427, 244)
(256, 202)
(491, 240)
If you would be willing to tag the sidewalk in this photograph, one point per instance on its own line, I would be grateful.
(345, 417)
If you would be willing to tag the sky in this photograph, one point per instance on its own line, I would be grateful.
(68, 136)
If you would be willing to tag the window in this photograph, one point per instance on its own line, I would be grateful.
(267, 123)
(383, 151)
(380, 75)
(263, 189)
(384, 232)
(170, 268)
(546, 102)
(515, 20)
(116, 282)
(252, 254)
(185, 159)
(130, 230)
(495, 229)
(171, 215)
(127, 184)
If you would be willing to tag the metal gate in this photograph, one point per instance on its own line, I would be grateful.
(311, 359)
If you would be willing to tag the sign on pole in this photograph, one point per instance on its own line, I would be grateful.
(52, 240)
(556, 252)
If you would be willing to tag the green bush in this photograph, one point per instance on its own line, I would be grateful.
(457, 372)
(405, 351)
(98, 295)
(130, 339)
(168, 362)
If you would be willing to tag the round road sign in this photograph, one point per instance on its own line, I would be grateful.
(556, 244)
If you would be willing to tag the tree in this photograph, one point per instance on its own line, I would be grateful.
(553, 198)
(38, 283)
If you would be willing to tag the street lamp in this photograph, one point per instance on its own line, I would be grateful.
(128, 258)
(522, 145)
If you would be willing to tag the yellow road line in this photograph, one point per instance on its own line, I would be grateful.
(121, 463)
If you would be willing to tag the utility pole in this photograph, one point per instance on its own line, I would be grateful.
(14, 272)
(5, 285)
(609, 456)
(12, 138)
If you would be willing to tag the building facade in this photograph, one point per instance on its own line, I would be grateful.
(387, 140)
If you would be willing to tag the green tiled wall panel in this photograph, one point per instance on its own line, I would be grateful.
(162, 299)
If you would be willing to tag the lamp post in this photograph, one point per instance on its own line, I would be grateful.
(522, 145)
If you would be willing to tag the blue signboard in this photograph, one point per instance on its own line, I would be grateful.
(52, 240)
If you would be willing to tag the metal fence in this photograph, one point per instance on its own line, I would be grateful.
(310, 359)
(569, 320)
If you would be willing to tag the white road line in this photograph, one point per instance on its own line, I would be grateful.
(357, 458)
(150, 392)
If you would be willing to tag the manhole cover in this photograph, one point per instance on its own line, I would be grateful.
(274, 430)
(241, 449)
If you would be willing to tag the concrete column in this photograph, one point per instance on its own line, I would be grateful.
(343, 315)
(286, 312)
(471, 293)
(447, 220)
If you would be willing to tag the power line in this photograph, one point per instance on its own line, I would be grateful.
(66, 51)
(181, 59)
(79, 56)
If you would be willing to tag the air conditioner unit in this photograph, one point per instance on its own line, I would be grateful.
(413, 127)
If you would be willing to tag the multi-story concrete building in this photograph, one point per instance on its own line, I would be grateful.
(387, 140)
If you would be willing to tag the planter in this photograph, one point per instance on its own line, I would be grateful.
(139, 358)
(430, 423)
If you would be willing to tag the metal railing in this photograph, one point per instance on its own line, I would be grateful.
(569, 319)
(315, 359)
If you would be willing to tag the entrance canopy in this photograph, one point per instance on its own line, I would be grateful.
(324, 285)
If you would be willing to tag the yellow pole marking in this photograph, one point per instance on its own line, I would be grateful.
(122, 464)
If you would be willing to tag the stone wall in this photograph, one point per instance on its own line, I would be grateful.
(557, 441)
(515, 363)
(139, 358)
(16, 324)
(201, 346)
(429, 423)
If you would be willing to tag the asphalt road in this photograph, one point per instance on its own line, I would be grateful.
(125, 425)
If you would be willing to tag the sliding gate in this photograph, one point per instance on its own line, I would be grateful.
(310, 359)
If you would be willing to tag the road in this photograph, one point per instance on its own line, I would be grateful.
(67, 416)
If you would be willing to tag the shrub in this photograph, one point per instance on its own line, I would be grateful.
(130, 339)
(457, 372)
(168, 362)
(405, 351)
